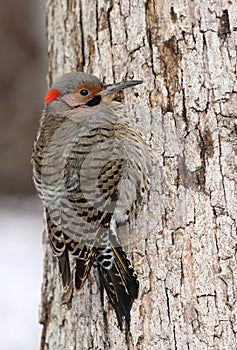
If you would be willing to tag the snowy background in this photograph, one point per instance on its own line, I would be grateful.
(21, 259)
(23, 69)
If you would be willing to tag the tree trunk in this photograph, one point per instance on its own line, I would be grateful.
(184, 239)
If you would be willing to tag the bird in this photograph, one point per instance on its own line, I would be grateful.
(91, 168)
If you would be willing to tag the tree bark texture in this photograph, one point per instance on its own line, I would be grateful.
(183, 241)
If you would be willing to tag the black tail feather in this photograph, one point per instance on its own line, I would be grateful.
(121, 285)
(64, 269)
(83, 266)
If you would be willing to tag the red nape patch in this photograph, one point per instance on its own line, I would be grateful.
(51, 95)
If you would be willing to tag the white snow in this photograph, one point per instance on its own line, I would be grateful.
(21, 261)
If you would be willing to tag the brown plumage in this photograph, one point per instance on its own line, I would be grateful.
(90, 165)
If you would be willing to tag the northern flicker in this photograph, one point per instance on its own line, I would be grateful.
(90, 166)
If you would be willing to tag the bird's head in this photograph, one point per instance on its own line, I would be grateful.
(81, 91)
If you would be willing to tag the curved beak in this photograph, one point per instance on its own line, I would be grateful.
(116, 87)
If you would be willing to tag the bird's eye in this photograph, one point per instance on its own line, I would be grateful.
(84, 92)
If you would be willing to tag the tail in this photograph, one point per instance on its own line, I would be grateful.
(64, 269)
(83, 266)
(121, 285)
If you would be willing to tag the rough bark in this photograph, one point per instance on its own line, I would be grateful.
(183, 242)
